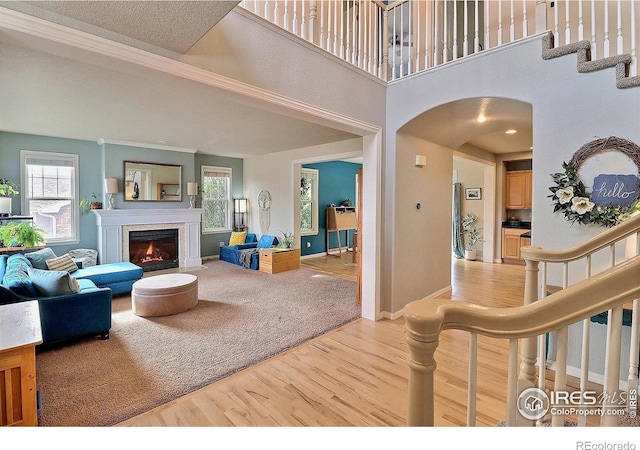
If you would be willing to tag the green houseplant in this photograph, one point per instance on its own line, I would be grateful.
(87, 205)
(471, 236)
(21, 234)
(7, 190)
(287, 240)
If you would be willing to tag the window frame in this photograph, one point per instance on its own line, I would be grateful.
(229, 170)
(314, 202)
(25, 156)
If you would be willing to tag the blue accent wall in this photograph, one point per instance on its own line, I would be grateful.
(337, 182)
(96, 162)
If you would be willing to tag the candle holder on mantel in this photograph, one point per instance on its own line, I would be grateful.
(192, 191)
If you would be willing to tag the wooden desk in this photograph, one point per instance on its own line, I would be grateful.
(20, 332)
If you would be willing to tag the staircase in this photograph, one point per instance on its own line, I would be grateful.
(597, 277)
(622, 62)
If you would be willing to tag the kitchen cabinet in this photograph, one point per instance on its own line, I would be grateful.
(511, 243)
(518, 189)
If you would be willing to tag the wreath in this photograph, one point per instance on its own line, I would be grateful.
(570, 196)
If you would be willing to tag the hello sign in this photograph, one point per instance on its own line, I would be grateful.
(619, 190)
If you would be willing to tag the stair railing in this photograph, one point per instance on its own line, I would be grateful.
(601, 289)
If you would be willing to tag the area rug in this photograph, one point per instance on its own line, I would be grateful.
(242, 317)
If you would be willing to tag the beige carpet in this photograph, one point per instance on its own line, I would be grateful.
(243, 317)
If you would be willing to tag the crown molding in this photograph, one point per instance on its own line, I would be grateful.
(13, 21)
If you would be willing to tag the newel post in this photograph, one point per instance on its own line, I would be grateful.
(529, 346)
(423, 332)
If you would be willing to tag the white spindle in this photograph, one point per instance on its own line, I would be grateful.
(634, 349)
(472, 389)
(567, 23)
(418, 42)
(512, 24)
(487, 26)
(476, 33)
(580, 21)
(594, 41)
(348, 33)
(303, 19)
(322, 41)
(428, 23)
(634, 40)
(556, 27)
(525, 20)
(465, 35)
(402, 39)
(499, 23)
(605, 44)
(266, 10)
(620, 39)
(512, 384)
(295, 17)
(560, 383)
(586, 349)
(436, 38)
(410, 47)
(612, 366)
(445, 31)
(335, 26)
(394, 46)
(454, 48)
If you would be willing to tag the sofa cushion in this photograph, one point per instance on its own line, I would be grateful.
(3, 266)
(267, 241)
(237, 237)
(39, 258)
(16, 276)
(64, 262)
(49, 283)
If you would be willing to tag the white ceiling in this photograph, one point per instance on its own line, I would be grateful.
(94, 101)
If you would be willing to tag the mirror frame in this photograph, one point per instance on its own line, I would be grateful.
(177, 197)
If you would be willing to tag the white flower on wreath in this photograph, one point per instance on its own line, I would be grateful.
(565, 195)
(581, 205)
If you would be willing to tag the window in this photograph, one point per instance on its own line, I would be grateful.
(216, 198)
(308, 201)
(50, 186)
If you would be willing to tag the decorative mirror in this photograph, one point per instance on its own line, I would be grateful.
(149, 182)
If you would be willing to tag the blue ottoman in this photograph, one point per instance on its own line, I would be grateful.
(117, 276)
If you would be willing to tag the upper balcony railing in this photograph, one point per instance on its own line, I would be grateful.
(393, 39)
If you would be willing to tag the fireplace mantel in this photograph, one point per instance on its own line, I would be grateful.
(114, 226)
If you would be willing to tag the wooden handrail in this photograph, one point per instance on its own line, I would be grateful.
(602, 240)
(426, 318)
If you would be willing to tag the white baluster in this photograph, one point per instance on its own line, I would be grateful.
(266, 9)
(620, 39)
(355, 42)
(586, 349)
(418, 42)
(454, 49)
(487, 26)
(410, 47)
(594, 42)
(427, 33)
(580, 21)
(512, 24)
(556, 27)
(476, 35)
(295, 17)
(335, 26)
(605, 43)
(525, 20)
(512, 385)
(445, 31)
(402, 39)
(303, 20)
(394, 46)
(612, 366)
(499, 23)
(633, 40)
(634, 348)
(276, 14)
(567, 23)
(286, 14)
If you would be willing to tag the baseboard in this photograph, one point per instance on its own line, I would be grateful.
(398, 314)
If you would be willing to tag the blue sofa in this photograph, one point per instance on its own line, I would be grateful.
(67, 310)
(232, 253)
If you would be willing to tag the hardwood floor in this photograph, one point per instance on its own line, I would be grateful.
(357, 375)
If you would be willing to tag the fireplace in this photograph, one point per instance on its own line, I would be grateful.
(154, 249)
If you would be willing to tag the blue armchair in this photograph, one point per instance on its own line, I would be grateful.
(233, 253)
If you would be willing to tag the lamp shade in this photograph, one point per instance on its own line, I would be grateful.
(192, 188)
(111, 185)
(240, 205)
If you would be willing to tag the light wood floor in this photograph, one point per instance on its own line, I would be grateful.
(357, 375)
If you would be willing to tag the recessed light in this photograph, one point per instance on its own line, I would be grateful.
(510, 132)
(481, 118)
(163, 142)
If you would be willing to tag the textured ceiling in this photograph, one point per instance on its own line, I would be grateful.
(169, 25)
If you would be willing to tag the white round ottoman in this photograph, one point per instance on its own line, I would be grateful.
(163, 295)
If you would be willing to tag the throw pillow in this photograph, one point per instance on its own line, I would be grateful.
(237, 237)
(39, 258)
(64, 262)
(16, 276)
(53, 282)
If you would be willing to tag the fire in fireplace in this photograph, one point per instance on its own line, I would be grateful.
(154, 249)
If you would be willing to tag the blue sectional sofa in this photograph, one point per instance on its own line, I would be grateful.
(233, 253)
(72, 304)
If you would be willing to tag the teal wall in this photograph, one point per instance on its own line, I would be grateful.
(337, 183)
(98, 161)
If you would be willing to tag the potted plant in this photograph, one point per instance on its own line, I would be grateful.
(471, 236)
(87, 205)
(7, 189)
(287, 240)
(21, 234)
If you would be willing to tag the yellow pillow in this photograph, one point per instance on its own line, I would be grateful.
(237, 237)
